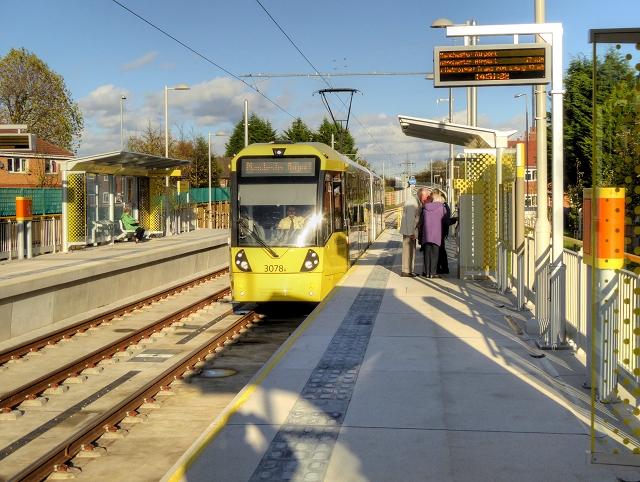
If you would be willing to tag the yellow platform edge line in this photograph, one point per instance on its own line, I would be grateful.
(182, 470)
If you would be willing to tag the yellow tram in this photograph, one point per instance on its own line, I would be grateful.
(301, 214)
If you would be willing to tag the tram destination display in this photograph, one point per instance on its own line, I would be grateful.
(261, 167)
(474, 66)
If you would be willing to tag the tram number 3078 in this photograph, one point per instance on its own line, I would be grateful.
(274, 268)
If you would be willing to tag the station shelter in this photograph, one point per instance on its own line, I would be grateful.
(483, 194)
(96, 189)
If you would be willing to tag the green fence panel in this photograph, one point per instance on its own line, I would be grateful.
(45, 200)
(200, 195)
(49, 200)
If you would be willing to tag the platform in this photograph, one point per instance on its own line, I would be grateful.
(48, 289)
(404, 379)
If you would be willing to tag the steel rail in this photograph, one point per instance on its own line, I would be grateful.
(68, 449)
(74, 368)
(52, 338)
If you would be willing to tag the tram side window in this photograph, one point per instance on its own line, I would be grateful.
(327, 209)
(338, 202)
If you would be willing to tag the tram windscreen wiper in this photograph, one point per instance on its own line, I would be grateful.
(245, 225)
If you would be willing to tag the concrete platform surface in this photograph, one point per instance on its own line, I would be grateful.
(49, 289)
(403, 379)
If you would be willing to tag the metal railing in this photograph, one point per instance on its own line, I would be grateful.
(46, 232)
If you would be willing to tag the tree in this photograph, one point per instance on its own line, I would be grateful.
(260, 131)
(151, 141)
(194, 148)
(617, 130)
(612, 71)
(298, 132)
(32, 94)
(323, 134)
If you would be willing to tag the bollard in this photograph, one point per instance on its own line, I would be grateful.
(24, 213)
(603, 228)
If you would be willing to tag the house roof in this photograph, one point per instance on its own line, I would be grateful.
(43, 148)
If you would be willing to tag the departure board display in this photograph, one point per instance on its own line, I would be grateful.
(262, 167)
(474, 66)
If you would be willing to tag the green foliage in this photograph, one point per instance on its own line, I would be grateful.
(612, 71)
(194, 148)
(298, 132)
(32, 94)
(617, 130)
(151, 141)
(260, 131)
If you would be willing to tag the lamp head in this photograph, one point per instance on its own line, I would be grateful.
(518, 95)
(182, 87)
(123, 97)
(442, 23)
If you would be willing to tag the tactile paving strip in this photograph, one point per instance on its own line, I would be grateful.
(301, 449)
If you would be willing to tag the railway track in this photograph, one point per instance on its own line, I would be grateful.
(55, 460)
(36, 344)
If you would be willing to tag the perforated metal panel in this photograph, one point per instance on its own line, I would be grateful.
(156, 203)
(478, 213)
(76, 208)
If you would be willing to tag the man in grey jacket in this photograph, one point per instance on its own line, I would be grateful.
(408, 229)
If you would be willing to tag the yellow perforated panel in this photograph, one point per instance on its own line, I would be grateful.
(76, 207)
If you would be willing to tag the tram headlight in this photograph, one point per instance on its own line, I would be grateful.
(311, 261)
(241, 261)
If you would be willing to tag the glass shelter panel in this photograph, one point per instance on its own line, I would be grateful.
(612, 248)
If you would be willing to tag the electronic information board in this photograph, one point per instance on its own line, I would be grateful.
(261, 167)
(504, 64)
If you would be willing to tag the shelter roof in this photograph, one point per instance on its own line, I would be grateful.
(457, 134)
(124, 163)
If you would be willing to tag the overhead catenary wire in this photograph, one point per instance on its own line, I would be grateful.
(320, 75)
(203, 57)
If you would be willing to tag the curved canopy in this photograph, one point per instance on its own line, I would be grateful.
(125, 163)
(459, 135)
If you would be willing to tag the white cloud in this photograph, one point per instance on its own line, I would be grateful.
(139, 63)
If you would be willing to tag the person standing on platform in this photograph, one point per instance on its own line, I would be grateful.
(443, 262)
(433, 216)
(408, 229)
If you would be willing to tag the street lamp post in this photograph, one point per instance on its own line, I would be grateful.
(450, 99)
(472, 98)
(122, 97)
(219, 133)
(167, 223)
(526, 143)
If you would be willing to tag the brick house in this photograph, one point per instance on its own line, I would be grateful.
(29, 169)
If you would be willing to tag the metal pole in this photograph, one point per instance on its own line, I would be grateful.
(167, 213)
(542, 226)
(246, 123)
(450, 191)
(473, 91)
(210, 219)
(121, 135)
(65, 207)
(558, 269)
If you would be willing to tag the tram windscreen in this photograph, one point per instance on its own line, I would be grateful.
(277, 214)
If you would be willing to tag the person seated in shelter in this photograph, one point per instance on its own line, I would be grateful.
(291, 221)
(132, 224)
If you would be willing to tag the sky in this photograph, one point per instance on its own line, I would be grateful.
(105, 49)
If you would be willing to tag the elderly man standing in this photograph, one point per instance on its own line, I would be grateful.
(408, 229)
